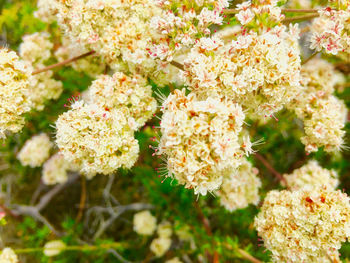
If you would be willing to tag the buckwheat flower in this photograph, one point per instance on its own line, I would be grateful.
(43, 87)
(131, 95)
(36, 48)
(47, 10)
(174, 260)
(240, 187)
(160, 246)
(299, 4)
(55, 170)
(92, 65)
(35, 151)
(181, 24)
(259, 71)
(331, 32)
(200, 139)
(305, 225)
(54, 248)
(96, 139)
(164, 229)
(310, 176)
(8, 256)
(144, 223)
(14, 83)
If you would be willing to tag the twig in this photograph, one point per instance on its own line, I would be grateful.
(298, 18)
(235, 11)
(82, 199)
(269, 167)
(247, 256)
(177, 64)
(309, 58)
(63, 62)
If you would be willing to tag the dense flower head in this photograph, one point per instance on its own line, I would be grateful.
(55, 170)
(259, 15)
(160, 246)
(305, 225)
(240, 187)
(200, 138)
(92, 65)
(260, 71)
(164, 229)
(54, 248)
(131, 95)
(331, 32)
(35, 151)
(96, 139)
(8, 256)
(182, 23)
(14, 84)
(47, 10)
(311, 175)
(36, 48)
(117, 30)
(174, 260)
(144, 223)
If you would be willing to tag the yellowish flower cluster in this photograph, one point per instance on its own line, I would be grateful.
(92, 65)
(14, 85)
(240, 187)
(55, 170)
(310, 176)
(144, 223)
(47, 10)
(35, 151)
(200, 139)
(8, 256)
(260, 71)
(174, 260)
(305, 225)
(162, 243)
(323, 114)
(95, 139)
(131, 95)
(35, 50)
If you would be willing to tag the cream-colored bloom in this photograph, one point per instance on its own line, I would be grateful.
(174, 260)
(310, 176)
(36, 48)
(240, 187)
(144, 223)
(131, 95)
(14, 83)
(8, 256)
(54, 248)
(165, 229)
(305, 225)
(200, 139)
(160, 246)
(55, 170)
(96, 139)
(35, 151)
(47, 10)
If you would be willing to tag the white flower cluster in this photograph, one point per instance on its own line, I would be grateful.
(14, 85)
(95, 139)
(182, 23)
(35, 50)
(8, 256)
(162, 243)
(92, 65)
(35, 151)
(54, 248)
(331, 32)
(240, 187)
(117, 30)
(323, 114)
(174, 260)
(131, 95)
(200, 139)
(260, 71)
(55, 170)
(144, 223)
(47, 10)
(305, 225)
(310, 176)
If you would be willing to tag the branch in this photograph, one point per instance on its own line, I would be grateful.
(177, 64)
(299, 18)
(309, 58)
(285, 10)
(269, 167)
(82, 199)
(63, 62)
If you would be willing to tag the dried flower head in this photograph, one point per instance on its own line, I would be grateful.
(144, 223)
(160, 246)
(55, 170)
